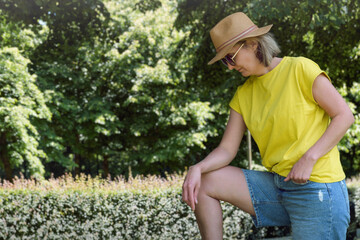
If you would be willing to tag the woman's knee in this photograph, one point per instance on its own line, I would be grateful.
(215, 183)
(207, 182)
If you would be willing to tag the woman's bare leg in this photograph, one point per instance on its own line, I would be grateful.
(227, 184)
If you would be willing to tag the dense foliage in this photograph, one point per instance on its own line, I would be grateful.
(21, 101)
(104, 86)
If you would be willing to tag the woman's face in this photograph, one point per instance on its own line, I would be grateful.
(246, 61)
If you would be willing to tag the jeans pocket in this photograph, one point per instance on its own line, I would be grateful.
(301, 184)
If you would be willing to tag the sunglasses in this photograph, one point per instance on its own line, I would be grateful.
(228, 59)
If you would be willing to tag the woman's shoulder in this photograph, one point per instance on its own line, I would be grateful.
(303, 61)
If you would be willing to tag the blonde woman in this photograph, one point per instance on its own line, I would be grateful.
(296, 117)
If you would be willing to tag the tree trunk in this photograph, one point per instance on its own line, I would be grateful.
(4, 157)
(106, 166)
(78, 165)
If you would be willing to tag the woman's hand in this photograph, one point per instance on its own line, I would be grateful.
(301, 170)
(191, 186)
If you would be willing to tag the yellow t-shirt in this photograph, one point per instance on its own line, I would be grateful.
(284, 119)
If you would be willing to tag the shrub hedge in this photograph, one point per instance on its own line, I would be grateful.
(356, 202)
(42, 211)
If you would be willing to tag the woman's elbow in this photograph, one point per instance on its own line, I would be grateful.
(350, 119)
(345, 118)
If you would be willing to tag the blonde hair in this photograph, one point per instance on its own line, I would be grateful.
(267, 48)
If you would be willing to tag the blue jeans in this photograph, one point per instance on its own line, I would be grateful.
(314, 210)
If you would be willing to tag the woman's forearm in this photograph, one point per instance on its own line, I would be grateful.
(228, 147)
(301, 171)
(331, 137)
(218, 158)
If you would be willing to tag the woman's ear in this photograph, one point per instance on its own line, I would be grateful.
(252, 43)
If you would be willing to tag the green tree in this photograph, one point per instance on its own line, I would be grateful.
(115, 94)
(162, 123)
(128, 85)
(59, 63)
(21, 101)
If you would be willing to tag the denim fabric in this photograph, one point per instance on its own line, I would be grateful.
(314, 210)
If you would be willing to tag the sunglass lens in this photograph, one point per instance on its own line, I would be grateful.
(229, 60)
(224, 61)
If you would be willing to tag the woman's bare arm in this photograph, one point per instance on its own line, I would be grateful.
(218, 158)
(341, 116)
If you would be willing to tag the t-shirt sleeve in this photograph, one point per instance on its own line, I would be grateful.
(308, 71)
(235, 101)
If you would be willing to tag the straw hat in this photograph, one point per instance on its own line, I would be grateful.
(231, 30)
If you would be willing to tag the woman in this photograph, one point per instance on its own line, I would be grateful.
(287, 104)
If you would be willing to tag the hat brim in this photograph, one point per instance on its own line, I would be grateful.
(224, 51)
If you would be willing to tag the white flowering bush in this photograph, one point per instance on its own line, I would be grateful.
(94, 208)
